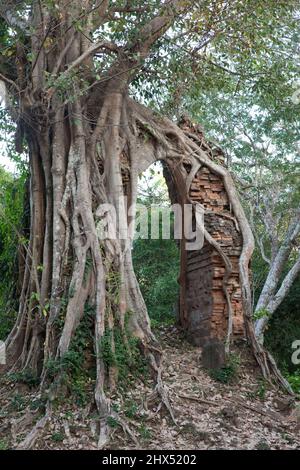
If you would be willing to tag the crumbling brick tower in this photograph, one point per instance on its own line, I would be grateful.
(204, 280)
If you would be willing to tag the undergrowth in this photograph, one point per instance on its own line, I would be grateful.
(227, 373)
(70, 370)
(126, 357)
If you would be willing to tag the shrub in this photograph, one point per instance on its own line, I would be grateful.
(227, 373)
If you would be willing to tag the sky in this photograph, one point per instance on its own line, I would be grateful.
(6, 162)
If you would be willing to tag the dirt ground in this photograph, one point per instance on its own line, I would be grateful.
(245, 413)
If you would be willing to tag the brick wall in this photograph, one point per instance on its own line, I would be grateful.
(202, 304)
(205, 298)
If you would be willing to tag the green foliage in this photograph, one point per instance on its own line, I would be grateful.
(130, 409)
(262, 445)
(26, 376)
(263, 312)
(112, 422)
(294, 380)
(66, 83)
(3, 444)
(11, 213)
(145, 432)
(57, 437)
(259, 392)
(71, 364)
(69, 369)
(156, 261)
(38, 403)
(228, 373)
(18, 402)
(107, 354)
(215, 48)
(126, 357)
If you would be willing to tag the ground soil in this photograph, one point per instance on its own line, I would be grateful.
(245, 413)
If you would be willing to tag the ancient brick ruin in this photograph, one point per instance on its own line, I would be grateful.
(203, 309)
(205, 299)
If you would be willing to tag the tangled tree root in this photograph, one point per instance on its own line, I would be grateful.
(31, 438)
(265, 360)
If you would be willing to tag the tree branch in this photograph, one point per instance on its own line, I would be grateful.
(285, 287)
(94, 48)
(279, 262)
(267, 298)
(156, 27)
(9, 82)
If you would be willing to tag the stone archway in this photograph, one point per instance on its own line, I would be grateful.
(210, 300)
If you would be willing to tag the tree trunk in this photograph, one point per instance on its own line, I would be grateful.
(271, 296)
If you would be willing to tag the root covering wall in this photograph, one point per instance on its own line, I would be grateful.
(202, 304)
(205, 298)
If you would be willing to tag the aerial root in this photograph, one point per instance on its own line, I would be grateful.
(277, 375)
(30, 439)
(160, 392)
(106, 430)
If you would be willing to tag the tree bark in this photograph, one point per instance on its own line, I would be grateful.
(271, 296)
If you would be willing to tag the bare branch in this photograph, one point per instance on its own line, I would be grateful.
(91, 50)
(285, 287)
(150, 32)
(267, 298)
(259, 240)
(63, 54)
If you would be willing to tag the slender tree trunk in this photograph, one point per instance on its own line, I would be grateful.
(272, 295)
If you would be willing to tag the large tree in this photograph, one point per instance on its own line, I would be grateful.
(69, 68)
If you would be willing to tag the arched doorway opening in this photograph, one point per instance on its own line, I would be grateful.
(199, 288)
(156, 259)
(212, 298)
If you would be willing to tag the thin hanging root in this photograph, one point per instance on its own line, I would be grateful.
(160, 391)
(228, 271)
(266, 361)
(282, 382)
(35, 432)
(105, 430)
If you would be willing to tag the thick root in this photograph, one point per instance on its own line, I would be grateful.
(36, 431)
